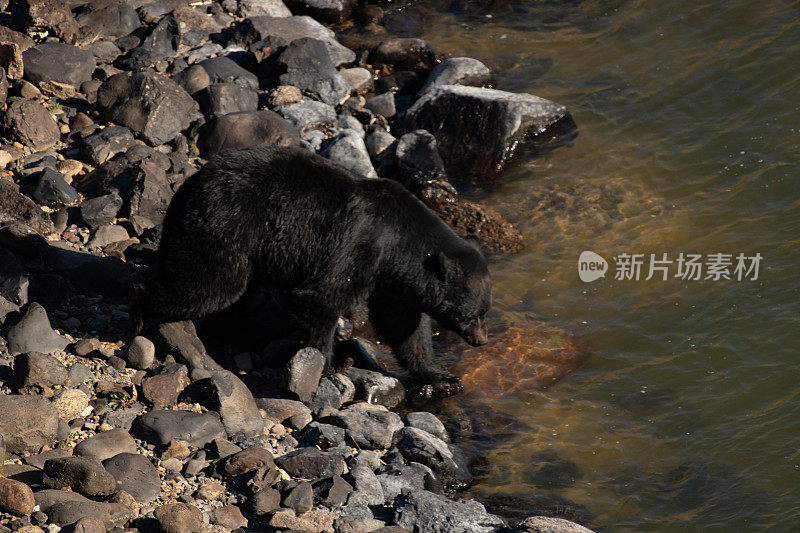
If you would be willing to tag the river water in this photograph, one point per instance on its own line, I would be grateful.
(685, 417)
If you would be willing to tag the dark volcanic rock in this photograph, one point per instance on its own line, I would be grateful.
(225, 70)
(323, 435)
(348, 150)
(280, 410)
(160, 427)
(30, 123)
(422, 447)
(53, 191)
(311, 463)
(263, 32)
(242, 130)
(478, 129)
(225, 393)
(162, 43)
(53, 61)
(305, 64)
(102, 146)
(408, 54)
(377, 388)
(70, 511)
(332, 491)
(331, 11)
(136, 475)
(333, 391)
(302, 373)
(426, 511)
(141, 353)
(150, 104)
(27, 423)
(308, 115)
(105, 445)
(81, 474)
(383, 105)
(368, 490)
(51, 15)
(33, 333)
(300, 498)
(427, 422)
(180, 340)
(418, 160)
(369, 427)
(458, 71)
(35, 369)
(101, 210)
(18, 208)
(225, 98)
(410, 477)
(106, 20)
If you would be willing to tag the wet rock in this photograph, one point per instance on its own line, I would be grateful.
(333, 392)
(367, 488)
(383, 105)
(54, 61)
(427, 422)
(225, 70)
(348, 150)
(162, 390)
(161, 44)
(229, 517)
(302, 373)
(29, 123)
(196, 429)
(248, 460)
(263, 32)
(368, 427)
(478, 129)
(265, 501)
(49, 15)
(323, 435)
(79, 474)
(225, 98)
(418, 160)
(102, 446)
(35, 369)
(422, 447)
(102, 146)
(426, 511)
(71, 403)
(306, 65)
(134, 474)
(271, 8)
(15, 498)
(359, 79)
(106, 20)
(300, 498)
(179, 518)
(311, 463)
(332, 491)
(141, 353)
(33, 333)
(376, 388)
(230, 397)
(101, 210)
(245, 129)
(27, 423)
(150, 104)
(18, 208)
(331, 11)
(53, 191)
(409, 54)
(308, 115)
(548, 524)
(458, 71)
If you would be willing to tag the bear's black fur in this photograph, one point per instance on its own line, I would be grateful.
(296, 223)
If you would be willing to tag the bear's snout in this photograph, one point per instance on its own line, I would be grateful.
(477, 333)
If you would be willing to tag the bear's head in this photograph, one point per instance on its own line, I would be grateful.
(466, 292)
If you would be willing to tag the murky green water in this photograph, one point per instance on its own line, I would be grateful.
(686, 416)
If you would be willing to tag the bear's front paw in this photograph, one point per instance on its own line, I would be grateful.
(439, 385)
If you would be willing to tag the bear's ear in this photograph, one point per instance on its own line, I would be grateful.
(444, 268)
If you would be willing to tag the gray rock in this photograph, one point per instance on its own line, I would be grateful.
(102, 146)
(368, 427)
(280, 410)
(141, 353)
(276, 32)
(333, 392)
(150, 104)
(368, 490)
(225, 98)
(105, 235)
(3, 85)
(309, 115)
(359, 79)
(136, 475)
(383, 104)
(33, 333)
(123, 418)
(410, 477)
(330, 11)
(378, 142)
(196, 429)
(352, 524)
(35, 369)
(103, 52)
(105, 445)
(271, 8)
(427, 422)
(300, 498)
(302, 373)
(27, 423)
(67, 513)
(229, 517)
(323, 435)
(29, 123)
(376, 388)
(101, 210)
(369, 458)
(162, 43)
(348, 150)
(81, 474)
(52, 190)
(193, 79)
(21, 211)
(54, 61)
(226, 394)
(307, 66)
(418, 160)
(548, 524)
(225, 70)
(245, 129)
(78, 373)
(458, 71)
(332, 491)
(311, 463)
(349, 122)
(478, 129)
(106, 20)
(425, 511)
(422, 447)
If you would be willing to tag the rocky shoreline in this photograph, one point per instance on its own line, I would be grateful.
(106, 106)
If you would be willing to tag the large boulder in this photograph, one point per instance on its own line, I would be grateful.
(422, 510)
(458, 71)
(225, 70)
(477, 130)
(245, 129)
(196, 429)
(305, 64)
(31, 124)
(27, 423)
(53, 61)
(106, 20)
(151, 105)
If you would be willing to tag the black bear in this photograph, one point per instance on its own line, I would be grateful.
(328, 239)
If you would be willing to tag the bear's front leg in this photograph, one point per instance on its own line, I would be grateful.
(408, 332)
(313, 323)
